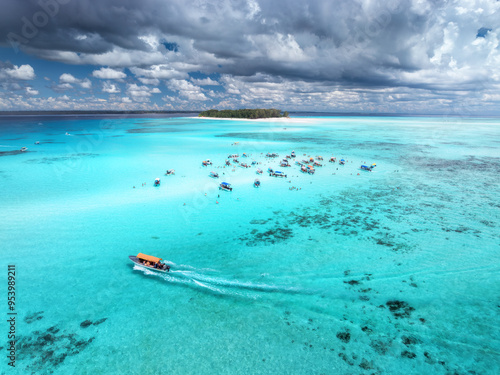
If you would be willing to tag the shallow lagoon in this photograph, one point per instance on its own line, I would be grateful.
(393, 271)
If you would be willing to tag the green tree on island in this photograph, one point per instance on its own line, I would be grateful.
(244, 113)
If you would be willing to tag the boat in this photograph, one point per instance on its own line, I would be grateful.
(259, 171)
(157, 182)
(244, 165)
(233, 156)
(293, 154)
(277, 174)
(244, 155)
(317, 164)
(366, 168)
(319, 157)
(170, 172)
(37, 142)
(332, 160)
(228, 162)
(342, 162)
(236, 161)
(24, 149)
(225, 186)
(299, 163)
(310, 169)
(272, 155)
(204, 163)
(303, 169)
(284, 163)
(149, 262)
(270, 170)
(254, 162)
(214, 174)
(256, 183)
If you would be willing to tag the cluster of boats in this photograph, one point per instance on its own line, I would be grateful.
(306, 166)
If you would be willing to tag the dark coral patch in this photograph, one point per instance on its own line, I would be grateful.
(400, 309)
(85, 323)
(33, 317)
(344, 336)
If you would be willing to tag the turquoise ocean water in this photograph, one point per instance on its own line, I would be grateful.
(343, 272)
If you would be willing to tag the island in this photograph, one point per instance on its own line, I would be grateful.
(244, 113)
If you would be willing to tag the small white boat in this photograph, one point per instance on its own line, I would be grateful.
(157, 182)
(225, 186)
(214, 174)
(256, 183)
(24, 149)
(259, 171)
(170, 172)
(149, 262)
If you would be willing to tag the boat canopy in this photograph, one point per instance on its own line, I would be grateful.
(225, 184)
(148, 258)
(277, 172)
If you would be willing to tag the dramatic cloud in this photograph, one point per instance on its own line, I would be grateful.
(397, 55)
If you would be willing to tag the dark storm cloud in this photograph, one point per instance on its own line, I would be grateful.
(425, 44)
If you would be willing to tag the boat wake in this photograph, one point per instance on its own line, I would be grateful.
(189, 276)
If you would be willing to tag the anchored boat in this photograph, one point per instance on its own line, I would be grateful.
(342, 162)
(149, 262)
(225, 186)
(256, 183)
(277, 174)
(214, 174)
(170, 172)
(157, 182)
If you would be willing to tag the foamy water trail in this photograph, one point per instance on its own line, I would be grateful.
(220, 285)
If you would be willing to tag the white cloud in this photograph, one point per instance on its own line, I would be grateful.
(141, 93)
(205, 82)
(23, 72)
(110, 88)
(31, 91)
(68, 79)
(108, 73)
(161, 71)
(149, 81)
(186, 89)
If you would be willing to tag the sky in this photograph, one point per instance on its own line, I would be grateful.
(413, 56)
